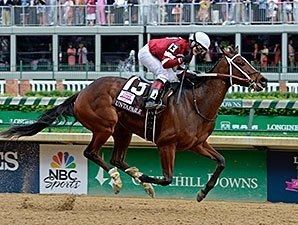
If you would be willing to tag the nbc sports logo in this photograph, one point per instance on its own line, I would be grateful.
(63, 169)
(63, 160)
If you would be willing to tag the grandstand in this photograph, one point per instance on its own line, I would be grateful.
(34, 39)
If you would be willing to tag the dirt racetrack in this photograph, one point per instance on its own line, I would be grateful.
(67, 209)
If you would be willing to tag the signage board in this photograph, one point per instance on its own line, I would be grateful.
(283, 176)
(244, 177)
(19, 167)
(63, 169)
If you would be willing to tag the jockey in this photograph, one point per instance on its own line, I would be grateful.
(163, 56)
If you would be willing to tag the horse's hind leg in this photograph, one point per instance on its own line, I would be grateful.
(207, 150)
(167, 156)
(122, 138)
(92, 153)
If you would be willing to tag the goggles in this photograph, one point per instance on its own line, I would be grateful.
(199, 50)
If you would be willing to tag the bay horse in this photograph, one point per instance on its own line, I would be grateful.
(183, 126)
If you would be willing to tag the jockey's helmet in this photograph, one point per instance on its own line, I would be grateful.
(199, 40)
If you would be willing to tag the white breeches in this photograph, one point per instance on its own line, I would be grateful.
(155, 66)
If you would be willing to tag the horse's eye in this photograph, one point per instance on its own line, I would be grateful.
(241, 63)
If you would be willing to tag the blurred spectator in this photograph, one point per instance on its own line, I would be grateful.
(170, 4)
(68, 12)
(244, 11)
(119, 11)
(295, 10)
(50, 11)
(100, 11)
(177, 13)
(25, 12)
(272, 10)
(255, 54)
(186, 16)
(6, 13)
(262, 10)
(134, 10)
(277, 55)
(203, 12)
(232, 11)
(41, 12)
(32, 13)
(79, 12)
(128, 65)
(17, 11)
(207, 58)
(264, 58)
(291, 54)
(71, 56)
(223, 11)
(82, 53)
(152, 12)
(289, 11)
(110, 11)
(163, 11)
(91, 8)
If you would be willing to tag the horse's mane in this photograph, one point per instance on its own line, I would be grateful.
(214, 66)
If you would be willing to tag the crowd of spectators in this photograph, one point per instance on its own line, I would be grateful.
(77, 57)
(103, 12)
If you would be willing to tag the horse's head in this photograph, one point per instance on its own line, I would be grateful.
(240, 71)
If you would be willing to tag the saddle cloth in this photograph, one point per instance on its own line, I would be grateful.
(131, 98)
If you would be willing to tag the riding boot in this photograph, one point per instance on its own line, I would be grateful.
(155, 92)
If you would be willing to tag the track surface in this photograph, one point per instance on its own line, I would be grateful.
(67, 209)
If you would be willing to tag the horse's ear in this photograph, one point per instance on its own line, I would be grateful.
(237, 49)
(222, 49)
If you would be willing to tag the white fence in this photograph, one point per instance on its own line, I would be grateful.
(75, 85)
(2, 87)
(42, 85)
(272, 86)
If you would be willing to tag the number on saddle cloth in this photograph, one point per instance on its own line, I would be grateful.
(131, 97)
(134, 92)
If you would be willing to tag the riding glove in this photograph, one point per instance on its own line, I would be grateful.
(187, 58)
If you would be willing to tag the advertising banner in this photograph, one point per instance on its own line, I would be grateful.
(19, 167)
(63, 169)
(260, 123)
(283, 176)
(223, 122)
(23, 118)
(243, 179)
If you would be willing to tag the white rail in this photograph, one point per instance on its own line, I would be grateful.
(2, 87)
(75, 85)
(272, 87)
(43, 85)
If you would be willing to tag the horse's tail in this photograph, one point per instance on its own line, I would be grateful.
(45, 120)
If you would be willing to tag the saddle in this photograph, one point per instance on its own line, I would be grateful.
(132, 98)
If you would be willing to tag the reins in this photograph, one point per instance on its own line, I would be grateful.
(231, 63)
(197, 108)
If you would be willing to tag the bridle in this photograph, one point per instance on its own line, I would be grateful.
(247, 78)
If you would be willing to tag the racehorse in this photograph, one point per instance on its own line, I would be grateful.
(182, 126)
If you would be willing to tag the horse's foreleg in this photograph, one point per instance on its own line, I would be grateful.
(92, 153)
(207, 150)
(122, 138)
(167, 155)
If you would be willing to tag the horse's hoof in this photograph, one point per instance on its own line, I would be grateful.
(201, 195)
(117, 183)
(117, 186)
(149, 189)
